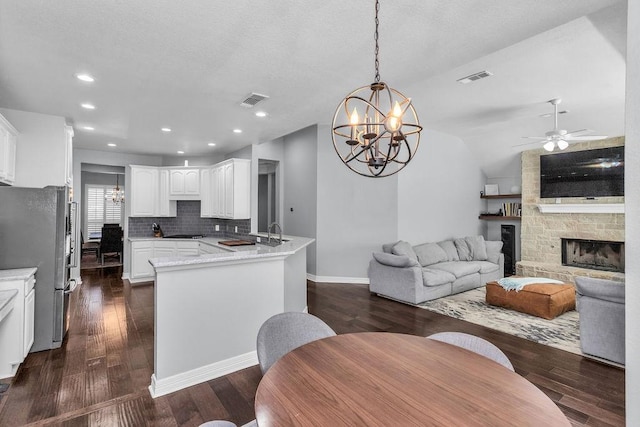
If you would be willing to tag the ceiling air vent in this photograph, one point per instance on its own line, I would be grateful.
(253, 99)
(474, 77)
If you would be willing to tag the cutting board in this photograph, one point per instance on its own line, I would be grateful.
(236, 242)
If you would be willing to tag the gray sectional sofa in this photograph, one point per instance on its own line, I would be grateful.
(414, 274)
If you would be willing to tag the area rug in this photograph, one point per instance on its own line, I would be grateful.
(563, 332)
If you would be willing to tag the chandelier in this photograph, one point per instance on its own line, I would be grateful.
(384, 137)
(117, 194)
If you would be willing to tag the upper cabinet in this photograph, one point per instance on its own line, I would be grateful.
(184, 184)
(150, 192)
(8, 136)
(226, 190)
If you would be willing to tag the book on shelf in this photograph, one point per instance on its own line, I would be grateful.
(512, 209)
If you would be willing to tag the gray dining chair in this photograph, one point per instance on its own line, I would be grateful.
(223, 423)
(476, 344)
(284, 332)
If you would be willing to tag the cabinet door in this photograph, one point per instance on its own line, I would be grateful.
(10, 164)
(4, 151)
(188, 248)
(241, 189)
(163, 249)
(205, 193)
(164, 206)
(228, 191)
(217, 209)
(191, 182)
(176, 181)
(29, 313)
(144, 190)
(141, 252)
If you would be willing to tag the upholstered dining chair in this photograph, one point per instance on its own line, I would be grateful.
(476, 344)
(284, 332)
(111, 241)
(223, 423)
(89, 247)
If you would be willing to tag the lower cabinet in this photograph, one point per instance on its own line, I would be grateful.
(143, 250)
(17, 328)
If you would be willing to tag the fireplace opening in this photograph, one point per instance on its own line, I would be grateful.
(593, 254)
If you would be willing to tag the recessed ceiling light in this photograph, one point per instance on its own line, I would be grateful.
(88, 106)
(166, 129)
(111, 144)
(88, 128)
(180, 152)
(85, 77)
(261, 114)
(237, 131)
(211, 144)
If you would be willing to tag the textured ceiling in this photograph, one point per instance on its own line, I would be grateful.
(188, 65)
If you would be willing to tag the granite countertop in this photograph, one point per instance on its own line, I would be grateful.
(17, 273)
(234, 253)
(7, 299)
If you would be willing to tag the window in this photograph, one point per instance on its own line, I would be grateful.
(101, 210)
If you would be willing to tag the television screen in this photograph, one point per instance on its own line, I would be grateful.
(589, 173)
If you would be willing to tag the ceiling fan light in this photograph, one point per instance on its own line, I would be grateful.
(562, 144)
(549, 146)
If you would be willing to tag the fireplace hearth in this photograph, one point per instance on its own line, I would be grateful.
(594, 254)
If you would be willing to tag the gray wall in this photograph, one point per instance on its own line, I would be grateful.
(300, 189)
(355, 214)
(632, 209)
(439, 191)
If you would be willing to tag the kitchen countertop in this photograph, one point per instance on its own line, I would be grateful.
(17, 273)
(235, 253)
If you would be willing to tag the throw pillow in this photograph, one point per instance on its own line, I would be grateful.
(477, 247)
(493, 250)
(450, 250)
(395, 260)
(386, 248)
(430, 253)
(404, 248)
(464, 253)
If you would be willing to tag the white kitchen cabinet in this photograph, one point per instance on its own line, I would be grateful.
(141, 252)
(150, 192)
(187, 248)
(184, 184)
(8, 137)
(206, 193)
(17, 328)
(205, 248)
(228, 190)
(164, 248)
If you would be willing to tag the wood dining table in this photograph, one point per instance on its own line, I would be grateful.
(389, 379)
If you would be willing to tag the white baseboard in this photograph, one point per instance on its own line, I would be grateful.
(336, 279)
(199, 375)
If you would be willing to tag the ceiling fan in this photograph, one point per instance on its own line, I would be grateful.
(559, 137)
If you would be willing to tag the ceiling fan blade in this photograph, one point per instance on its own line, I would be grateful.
(579, 132)
(527, 143)
(541, 138)
(585, 138)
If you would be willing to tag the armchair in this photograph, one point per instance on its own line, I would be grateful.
(601, 305)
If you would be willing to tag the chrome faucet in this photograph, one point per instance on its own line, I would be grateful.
(279, 232)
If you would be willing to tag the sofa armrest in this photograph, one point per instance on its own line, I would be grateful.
(602, 289)
(401, 283)
(392, 260)
(501, 264)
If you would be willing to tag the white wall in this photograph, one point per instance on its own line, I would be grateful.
(41, 148)
(632, 214)
(356, 215)
(439, 191)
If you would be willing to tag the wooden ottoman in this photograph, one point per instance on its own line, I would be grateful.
(546, 300)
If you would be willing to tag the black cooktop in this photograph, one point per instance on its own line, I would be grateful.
(184, 236)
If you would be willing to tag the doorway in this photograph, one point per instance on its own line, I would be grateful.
(267, 193)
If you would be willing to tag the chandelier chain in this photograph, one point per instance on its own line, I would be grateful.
(377, 63)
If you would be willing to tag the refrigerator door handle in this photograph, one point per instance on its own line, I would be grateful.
(73, 284)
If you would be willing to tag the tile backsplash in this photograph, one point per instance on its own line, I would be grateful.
(188, 221)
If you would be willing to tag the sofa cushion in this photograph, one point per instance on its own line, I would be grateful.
(404, 248)
(494, 249)
(430, 253)
(485, 266)
(457, 268)
(386, 248)
(602, 289)
(432, 277)
(477, 247)
(395, 260)
(450, 249)
(464, 253)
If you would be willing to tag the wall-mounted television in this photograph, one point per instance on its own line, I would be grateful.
(588, 173)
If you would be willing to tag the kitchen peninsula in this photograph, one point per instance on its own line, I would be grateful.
(209, 308)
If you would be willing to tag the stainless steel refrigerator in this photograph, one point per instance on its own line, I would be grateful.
(37, 230)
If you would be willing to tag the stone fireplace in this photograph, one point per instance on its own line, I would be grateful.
(593, 254)
(543, 234)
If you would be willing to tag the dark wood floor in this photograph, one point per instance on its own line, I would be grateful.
(101, 374)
